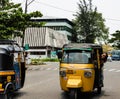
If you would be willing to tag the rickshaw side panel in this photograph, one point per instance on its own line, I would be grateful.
(17, 76)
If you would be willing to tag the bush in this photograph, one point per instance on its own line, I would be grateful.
(41, 61)
(36, 62)
(49, 60)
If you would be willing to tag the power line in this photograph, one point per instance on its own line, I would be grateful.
(67, 10)
(30, 2)
(112, 19)
(54, 7)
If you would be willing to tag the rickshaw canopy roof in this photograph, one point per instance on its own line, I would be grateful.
(8, 46)
(81, 46)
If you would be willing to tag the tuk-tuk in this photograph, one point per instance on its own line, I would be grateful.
(12, 68)
(80, 68)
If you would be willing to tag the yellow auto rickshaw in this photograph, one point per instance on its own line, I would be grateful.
(80, 68)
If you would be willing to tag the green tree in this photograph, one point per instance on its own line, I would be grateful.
(74, 35)
(13, 21)
(115, 40)
(89, 24)
(3, 3)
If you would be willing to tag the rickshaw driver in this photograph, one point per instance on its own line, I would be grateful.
(104, 57)
(103, 60)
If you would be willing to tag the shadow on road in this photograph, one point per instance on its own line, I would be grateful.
(92, 95)
(65, 95)
(18, 94)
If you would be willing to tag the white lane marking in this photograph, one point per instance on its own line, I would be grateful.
(37, 83)
(55, 68)
(104, 69)
(111, 70)
(117, 71)
(35, 68)
(48, 68)
(41, 68)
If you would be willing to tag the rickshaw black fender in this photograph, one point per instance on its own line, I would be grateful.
(23, 70)
(9, 87)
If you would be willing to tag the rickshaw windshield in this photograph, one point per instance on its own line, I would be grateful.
(77, 57)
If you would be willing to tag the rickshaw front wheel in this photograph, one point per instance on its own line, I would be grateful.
(9, 93)
(8, 96)
(73, 94)
(99, 90)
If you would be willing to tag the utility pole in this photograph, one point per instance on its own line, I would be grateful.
(26, 6)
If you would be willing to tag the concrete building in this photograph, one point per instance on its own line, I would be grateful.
(61, 25)
(42, 41)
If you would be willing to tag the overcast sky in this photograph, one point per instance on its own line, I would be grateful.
(66, 9)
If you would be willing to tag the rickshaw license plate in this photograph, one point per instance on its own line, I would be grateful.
(70, 72)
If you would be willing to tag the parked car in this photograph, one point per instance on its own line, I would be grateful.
(115, 57)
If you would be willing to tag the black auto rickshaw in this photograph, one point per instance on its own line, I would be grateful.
(80, 68)
(12, 68)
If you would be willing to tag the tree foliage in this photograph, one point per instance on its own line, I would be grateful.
(13, 21)
(115, 39)
(89, 23)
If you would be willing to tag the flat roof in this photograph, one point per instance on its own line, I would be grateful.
(51, 19)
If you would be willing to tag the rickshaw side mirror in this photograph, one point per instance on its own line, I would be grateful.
(59, 54)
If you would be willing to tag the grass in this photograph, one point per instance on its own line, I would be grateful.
(41, 61)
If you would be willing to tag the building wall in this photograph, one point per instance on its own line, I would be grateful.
(35, 36)
(42, 41)
(37, 53)
(61, 25)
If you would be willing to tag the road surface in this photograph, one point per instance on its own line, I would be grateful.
(42, 82)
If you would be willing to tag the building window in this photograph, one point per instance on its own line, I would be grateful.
(61, 28)
(69, 37)
(37, 53)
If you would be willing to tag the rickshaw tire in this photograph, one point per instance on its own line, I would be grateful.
(73, 94)
(8, 95)
(99, 90)
(9, 92)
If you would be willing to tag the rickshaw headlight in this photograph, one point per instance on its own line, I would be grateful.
(63, 73)
(88, 74)
(0, 86)
(1, 89)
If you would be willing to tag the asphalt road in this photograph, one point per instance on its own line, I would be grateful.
(42, 82)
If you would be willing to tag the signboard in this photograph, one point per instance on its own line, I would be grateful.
(53, 54)
(26, 46)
